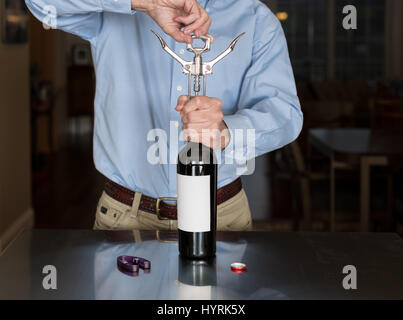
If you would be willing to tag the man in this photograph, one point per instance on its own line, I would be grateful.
(138, 86)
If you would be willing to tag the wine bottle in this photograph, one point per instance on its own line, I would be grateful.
(197, 279)
(197, 168)
(197, 201)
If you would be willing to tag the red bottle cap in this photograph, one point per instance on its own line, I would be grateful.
(238, 267)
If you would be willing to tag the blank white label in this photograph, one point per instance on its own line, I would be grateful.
(194, 203)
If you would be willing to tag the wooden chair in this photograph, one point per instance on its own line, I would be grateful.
(305, 176)
(359, 91)
(360, 94)
(386, 113)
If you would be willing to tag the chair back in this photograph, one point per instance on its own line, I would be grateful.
(386, 113)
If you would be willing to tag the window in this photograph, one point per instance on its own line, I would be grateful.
(360, 54)
(306, 32)
(357, 54)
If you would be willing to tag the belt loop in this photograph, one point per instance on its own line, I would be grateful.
(137, 236)
(136, 204)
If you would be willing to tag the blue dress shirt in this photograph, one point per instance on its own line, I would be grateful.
(138, 84)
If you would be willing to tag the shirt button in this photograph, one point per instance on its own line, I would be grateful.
(115, 0)
(181, 51)
(208, 10)
(176, 124)
(179, 88)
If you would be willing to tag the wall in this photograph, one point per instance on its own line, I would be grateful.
(394, 34)
(15, 184)
(47, 49)
(51, 50)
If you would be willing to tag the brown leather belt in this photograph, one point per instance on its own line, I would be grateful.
(162, 209)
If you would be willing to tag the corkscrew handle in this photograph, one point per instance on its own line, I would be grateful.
(197, 68)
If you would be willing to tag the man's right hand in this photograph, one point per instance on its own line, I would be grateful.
(173, 15)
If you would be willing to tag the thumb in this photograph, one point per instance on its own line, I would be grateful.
(179, 35)
(182, 100)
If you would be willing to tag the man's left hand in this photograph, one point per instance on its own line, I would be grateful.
(202, 119)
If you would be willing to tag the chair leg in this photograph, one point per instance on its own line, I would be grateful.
(365, 194)
(295, 211)
(389, 216)
(332, 196)
(51, 144)
(366, 164)
(306, 200)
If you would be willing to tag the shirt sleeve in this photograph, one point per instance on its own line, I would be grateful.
(82, 18)
(269, 114)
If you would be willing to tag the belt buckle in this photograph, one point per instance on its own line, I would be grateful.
(157, 207)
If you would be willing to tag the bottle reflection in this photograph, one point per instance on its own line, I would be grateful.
(196, 278)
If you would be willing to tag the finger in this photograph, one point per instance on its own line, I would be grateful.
(203, 29)
(203, 19)
(190, 134)
(182, 100)
(207, 103)
(190, 106)
(207, 127)
(210, 138)
(191, 6)
(178, 34)
(195, 27)
(196, 117)
(202, 103)
(187, 20)
(211, 37)
(203, 119)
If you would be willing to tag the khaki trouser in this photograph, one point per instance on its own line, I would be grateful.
(232, 215)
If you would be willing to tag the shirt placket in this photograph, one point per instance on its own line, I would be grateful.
(179, 87)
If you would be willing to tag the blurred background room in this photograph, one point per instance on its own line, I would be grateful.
(344, 173)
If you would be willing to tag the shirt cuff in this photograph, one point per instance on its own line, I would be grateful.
(239, 149)
(236, 121)
(117, 6)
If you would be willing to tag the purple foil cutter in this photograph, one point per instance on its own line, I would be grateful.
(132, 264)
